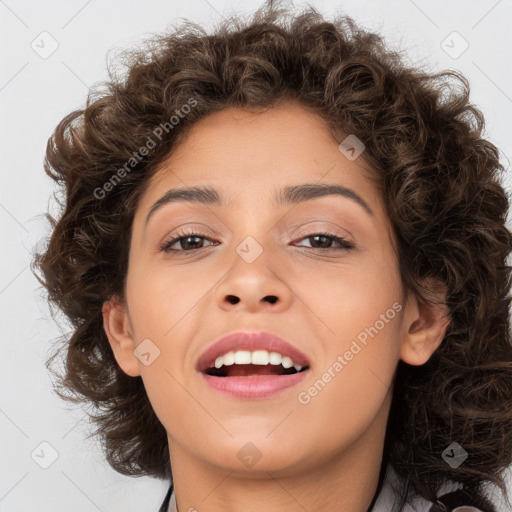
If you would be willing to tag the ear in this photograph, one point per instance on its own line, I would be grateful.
(425, 325)
(116, 323)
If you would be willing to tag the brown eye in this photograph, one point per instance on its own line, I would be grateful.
(185, 242)
(324, 241)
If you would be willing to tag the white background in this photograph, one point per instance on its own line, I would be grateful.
(35, 93)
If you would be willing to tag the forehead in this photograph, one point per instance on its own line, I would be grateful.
(260, 150)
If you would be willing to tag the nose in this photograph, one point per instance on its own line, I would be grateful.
(254, 286)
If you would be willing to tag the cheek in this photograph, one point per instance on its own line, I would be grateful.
(355, 297)
(354, 384)
(361, 346)
(160, 299)
(159, 306)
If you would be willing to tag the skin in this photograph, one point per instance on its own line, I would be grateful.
(323, 455)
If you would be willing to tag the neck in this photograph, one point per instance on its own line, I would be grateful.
(345, 480)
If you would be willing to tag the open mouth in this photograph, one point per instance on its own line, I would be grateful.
(254, 373)
(245, 363)
(246, 370)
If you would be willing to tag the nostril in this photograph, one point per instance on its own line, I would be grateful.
(235, 300)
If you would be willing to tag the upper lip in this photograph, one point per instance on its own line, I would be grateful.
(249, 340)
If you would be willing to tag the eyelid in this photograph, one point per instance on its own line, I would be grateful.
(188, 227)
(304, 230)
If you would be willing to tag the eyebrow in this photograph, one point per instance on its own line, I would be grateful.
(291, 194)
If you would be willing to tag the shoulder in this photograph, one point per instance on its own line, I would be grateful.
(451, 498)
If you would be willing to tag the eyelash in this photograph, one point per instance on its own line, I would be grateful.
(166, 246)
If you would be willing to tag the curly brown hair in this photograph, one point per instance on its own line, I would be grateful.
(440, 180)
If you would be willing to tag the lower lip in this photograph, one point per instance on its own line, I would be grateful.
(254, 386)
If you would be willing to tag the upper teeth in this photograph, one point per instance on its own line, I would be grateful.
(262, 357)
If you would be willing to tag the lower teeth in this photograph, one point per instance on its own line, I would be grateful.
(280, 370)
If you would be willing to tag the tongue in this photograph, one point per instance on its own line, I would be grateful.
(244, 370)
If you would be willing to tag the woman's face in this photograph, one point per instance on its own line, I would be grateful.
(259, 264)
